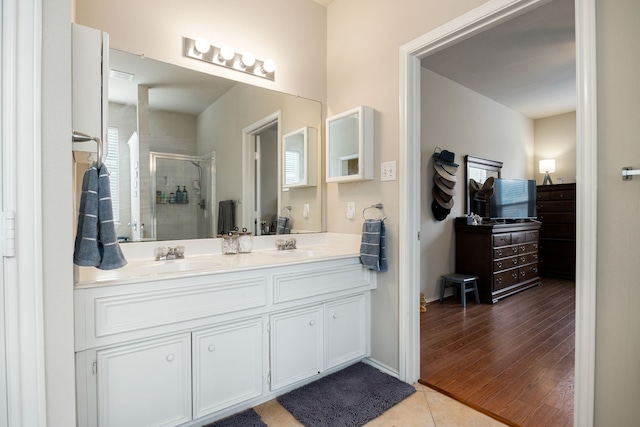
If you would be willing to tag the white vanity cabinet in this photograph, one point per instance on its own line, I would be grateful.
(184, 351)
(309, 341)
(145, 384)
(296, 346)
(345, 330)
(227, 366)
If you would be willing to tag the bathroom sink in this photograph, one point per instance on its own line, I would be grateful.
(172, 266)
(301, 253)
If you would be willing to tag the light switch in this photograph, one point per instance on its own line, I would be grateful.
(351, 210)
(388, 171)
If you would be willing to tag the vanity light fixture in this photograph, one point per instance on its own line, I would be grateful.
(225, 56)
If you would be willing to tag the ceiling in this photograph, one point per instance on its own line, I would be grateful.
(526, 63)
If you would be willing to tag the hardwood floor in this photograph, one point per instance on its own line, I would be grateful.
(513, 360)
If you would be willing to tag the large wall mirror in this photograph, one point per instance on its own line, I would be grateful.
(478, 170)
(179, 150)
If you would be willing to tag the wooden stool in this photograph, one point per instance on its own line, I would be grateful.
(465, 282)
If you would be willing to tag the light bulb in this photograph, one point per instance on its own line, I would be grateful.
(202, 45)
(248, 59)
(269, 66)
(227, 52)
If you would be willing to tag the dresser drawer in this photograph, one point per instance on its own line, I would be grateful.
(532, 236)
(503, 239)
(528, 272)
(528, 259)
(558, 231)
(505, 279)
(505, 252)
(505, 263)
(555, 206)
(563, 195)
(557, 218)
(520, 237)
(528, 247)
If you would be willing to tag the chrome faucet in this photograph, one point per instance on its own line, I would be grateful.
(163, 254)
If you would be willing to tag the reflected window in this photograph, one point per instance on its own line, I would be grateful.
(113, 164)
(294, 170)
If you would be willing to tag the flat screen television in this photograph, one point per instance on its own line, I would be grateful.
(513, 199)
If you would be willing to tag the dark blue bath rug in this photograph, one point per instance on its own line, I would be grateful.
(248, 418)
(348, 398)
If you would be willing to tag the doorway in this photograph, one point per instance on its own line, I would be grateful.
(464, 26)
(261, 180)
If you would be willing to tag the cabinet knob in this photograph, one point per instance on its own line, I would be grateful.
(170, 357)
(514, 275)
(311, 323)
(499, 264)
(499, 252)
(499, 280)
(535, 256)
(335, 315)
(212, 347)
(514, 261)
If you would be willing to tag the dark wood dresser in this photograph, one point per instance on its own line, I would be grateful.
(556, 210)
(503, 256)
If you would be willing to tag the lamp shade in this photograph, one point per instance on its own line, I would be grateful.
(548, 165)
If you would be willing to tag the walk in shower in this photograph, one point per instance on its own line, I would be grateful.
(182, 196)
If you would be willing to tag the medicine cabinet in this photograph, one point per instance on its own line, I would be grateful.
(299, 159)
(350, 145)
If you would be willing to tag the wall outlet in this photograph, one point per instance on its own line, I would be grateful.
(351, 210)
(388, 171)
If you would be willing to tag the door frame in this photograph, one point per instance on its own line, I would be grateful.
(248, 167)
(476, 20)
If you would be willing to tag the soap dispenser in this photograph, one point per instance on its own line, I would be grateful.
(178, 195)
(185, 196)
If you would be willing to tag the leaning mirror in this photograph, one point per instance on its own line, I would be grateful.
(176, 130)
(477, 172)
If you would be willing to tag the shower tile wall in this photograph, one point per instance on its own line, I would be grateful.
(177, 221)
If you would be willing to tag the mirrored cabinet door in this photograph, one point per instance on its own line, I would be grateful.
(299, 158)
(350, 145)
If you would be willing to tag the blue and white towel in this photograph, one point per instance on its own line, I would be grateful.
(373, 245)
(96, 242)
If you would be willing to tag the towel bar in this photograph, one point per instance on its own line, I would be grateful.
(376, 206)
(628, 172)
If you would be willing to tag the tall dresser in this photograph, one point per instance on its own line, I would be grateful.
(503, 256)
(556, 210)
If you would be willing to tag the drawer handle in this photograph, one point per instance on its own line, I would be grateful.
(499, 264)
(535, 269)
(523, 273)
(522, 248)
(335, 315)
(212, 347)
(499, 252)
(514, 249)
(523, 260)
(170, 357)
(540, 206)
(311, 323)
(514, 261)
(561, 196)
(514, 275)
(535, 256)
(535, 246)
(499, 280)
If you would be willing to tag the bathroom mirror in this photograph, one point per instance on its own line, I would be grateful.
(193, 122)
(298, 159)
(350, 145)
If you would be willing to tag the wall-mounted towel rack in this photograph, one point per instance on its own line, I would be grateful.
(78, 136)
(628, 172)
(378, 206)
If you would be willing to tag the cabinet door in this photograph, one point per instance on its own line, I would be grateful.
(227, 366)
(345, 330)
(296, 346)
(145, 384)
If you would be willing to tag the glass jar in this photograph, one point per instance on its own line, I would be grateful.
(245, 241)
(229, 243)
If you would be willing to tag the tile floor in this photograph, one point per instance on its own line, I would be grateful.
(426, 408)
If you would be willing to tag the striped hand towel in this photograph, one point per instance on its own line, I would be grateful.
(373, 245)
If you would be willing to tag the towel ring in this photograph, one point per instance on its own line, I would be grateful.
(288, 209)
(376, 206)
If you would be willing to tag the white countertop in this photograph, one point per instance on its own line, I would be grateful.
(204, 256)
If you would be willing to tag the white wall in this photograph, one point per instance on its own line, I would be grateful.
(617, 387)
(555, 138)
(466, 123)
(363, 41)
(58, 214)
